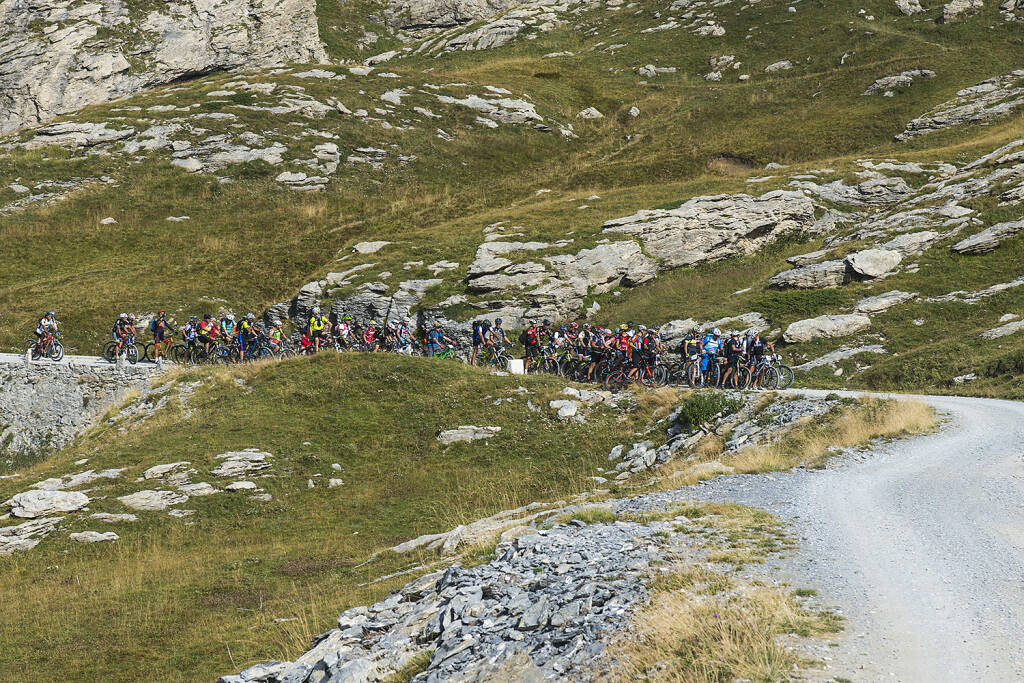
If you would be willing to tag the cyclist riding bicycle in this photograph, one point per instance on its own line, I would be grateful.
(206, 331)
(434, 339)
(343, 331)
(496, 335)
(734, 353)
(403, 336)
(370, 336)
(531, 342)
(317, 328)
(161, 330)
(692, 345)
(710, 346)
(276, 336)
(247, 335)
(121, 332)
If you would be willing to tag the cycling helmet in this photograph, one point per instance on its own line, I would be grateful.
(161, 313)
(642, 328)
(586, 326)
(231, 317)
(735, 333)
(131, 317)
(716, 332)
(347, 317)
(193, 319)
(561, 328)
(748, 333)
(123, 316)
(574, 326)
(277, 323)
(407, 320)
(695, 329)
(532, 321)
(206, 316)
(316, 310)
(546, 322)
(623, 327)
(497, 321)
(51, 313)
(250, 317)
(437, 324)
(629, 324)
(373, 323)
(487, 323)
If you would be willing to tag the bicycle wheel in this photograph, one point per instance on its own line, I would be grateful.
(180, 354)
(110, 351)
(614, 381)
(742, 377)
(713, 375)
(56, 350)
(132, 353)
(769, 377)
(144, 351)
(31, 345)
(785, 376)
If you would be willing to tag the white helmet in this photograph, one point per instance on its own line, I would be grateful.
(124, 316)
(231, 317)
(277, 323)
(717, 332)
(251, 316)
(316, 310)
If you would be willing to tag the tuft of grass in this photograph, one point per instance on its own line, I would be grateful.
(417, 665)
(850, 425)
(689, 637)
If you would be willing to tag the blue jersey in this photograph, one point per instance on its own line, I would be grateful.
(711, 344)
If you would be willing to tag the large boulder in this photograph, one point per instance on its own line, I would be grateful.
(826, 326)
(151, 500)
(912, 243)
(900, 80)
(466, 433)
(872, 263)
(712, 228)
(606, 266)
(32, 504)
(988, 239)
(87, 58)
(957, 9)
(816, 276)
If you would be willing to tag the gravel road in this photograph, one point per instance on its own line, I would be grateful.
(920, 542)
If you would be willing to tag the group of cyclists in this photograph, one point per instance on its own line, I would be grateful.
(582, 352)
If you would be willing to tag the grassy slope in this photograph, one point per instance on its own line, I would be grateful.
(253, 243)
(187, 595)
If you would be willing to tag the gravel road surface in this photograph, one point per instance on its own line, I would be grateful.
(920, 542)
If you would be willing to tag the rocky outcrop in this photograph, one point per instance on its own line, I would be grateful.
(44, 405)
(424, 16)
(957, 9)
(712, 228)
(874, 192)
(909, 7)
(989, 100)
(815, 276)
(826, 326)
(900, 80)
(57, 57)
(882, 302)
(988, 239)
(39, 503)
(466, 433)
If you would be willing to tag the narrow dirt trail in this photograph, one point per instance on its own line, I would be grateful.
(921, 544)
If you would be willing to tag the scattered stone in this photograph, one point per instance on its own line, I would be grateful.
(26, 535)
(331, 483)
(1003, 330)
(816, 276)
(776, 67)
(39, 503)
(241, 462)
(909, 7)
(94, 536)
(872, 263)
(241, 486)
(369, 247)
(900, 80)
(108, 221)
(964, 379)
(957, 9)
(113, 517)
(882, 302)
(590, 113)
(988, 239)
(842, 353)
(989, 100)
(466, 433)
(160, 471)
(826, 326)
(153, 499)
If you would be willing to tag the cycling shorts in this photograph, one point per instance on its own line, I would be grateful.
(532, 351)
(205, 339)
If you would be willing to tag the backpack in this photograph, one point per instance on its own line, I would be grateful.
(152, 325)
(524, 338)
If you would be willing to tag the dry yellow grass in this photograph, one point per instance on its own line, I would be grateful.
(855, 425)
(689, 636)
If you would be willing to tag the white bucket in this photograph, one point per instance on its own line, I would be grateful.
(516, 367)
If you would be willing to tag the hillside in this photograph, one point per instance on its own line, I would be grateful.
(442, 148)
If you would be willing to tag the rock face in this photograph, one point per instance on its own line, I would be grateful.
(909, 7)
(57, 57)
(988, 239)
(25, 536)
(152, 500)
(713, 228)
(43, 406)
(992, 99)
(816, 276)
(425, 16)
(826, 326)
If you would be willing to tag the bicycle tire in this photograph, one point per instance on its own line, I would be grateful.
(770, 378)
(110, 351)
(132, 354)
(614, 381)
(785, 376)
(56, 351)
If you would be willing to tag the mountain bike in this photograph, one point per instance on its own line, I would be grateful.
(785, 372)
(447, 352)
(697, 378)
(495, 356)
(129, 350)
(48, 345)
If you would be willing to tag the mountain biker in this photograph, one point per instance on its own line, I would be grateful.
(758, 349)
(544, 333)
(206, 330)
(227, 326)
(317, 328)
(710, 346)
(343, 331)
(403, 337)
(190, 331)
(479, 338)
(247, 335)
(121, 332)
(692, 345)
(435, 337)
(370, 336)
(276, 336)
(531, 342)
(621, 344)
(496, 335)
(161, 330)
(733, 354)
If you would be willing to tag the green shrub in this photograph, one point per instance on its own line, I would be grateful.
(701, 407)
